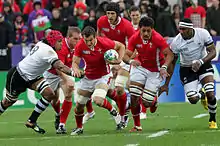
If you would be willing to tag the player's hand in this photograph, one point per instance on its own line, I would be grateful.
(162, 89)
(196, 64)
(134, 63)
(163, 73)
(77, 73)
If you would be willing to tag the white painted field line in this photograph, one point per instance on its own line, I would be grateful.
(132, 144)
(157, 134)
(200, 116)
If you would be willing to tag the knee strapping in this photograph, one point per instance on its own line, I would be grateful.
(81, 99)
(99, 93)
(135, 90)
(42, 85)
(148, 95)
(209, 87)
(121, 81)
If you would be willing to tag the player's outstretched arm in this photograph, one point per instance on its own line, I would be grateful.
(170, 70)
(120, 48)
(75, 66)
(169, 56)
(63, 68)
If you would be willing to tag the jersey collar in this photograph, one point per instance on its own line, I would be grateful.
(114, 26)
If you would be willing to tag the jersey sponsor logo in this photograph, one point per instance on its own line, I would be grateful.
(86, 52)
(106, 29)
(139, 45)
(118, 31)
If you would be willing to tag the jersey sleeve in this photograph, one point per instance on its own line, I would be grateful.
(162, 43)
(206, 37)
(77, 51)
(49, 55)
(173, 47)
(131, 44)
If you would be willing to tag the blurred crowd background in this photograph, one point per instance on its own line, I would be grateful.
(24, 22)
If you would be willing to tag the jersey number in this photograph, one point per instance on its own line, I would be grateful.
(34, 50)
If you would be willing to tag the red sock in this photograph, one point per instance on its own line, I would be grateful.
(113, 96)
(79, 118)
(56, 107)
(136, 115)
(107, 105)
(143, 108)
(66, 107)
(89, 106)
(121, 102)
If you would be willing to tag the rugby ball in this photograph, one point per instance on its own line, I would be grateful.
(111, 55)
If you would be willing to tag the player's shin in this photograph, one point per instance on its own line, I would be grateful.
(135, 92)
(89, 107)
(79, 113)
(65, 110)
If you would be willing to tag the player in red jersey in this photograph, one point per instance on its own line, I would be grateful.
(135, 16)
(154, 57)
(119, 29)
(95, 82)
(59, 80)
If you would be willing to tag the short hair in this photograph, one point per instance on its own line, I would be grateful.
(147, 22)
(113, 7)
(88, 30)
(71, 30)
(134, 8)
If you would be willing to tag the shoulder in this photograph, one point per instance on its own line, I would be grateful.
(102, 19)
(135, 36)
(80, 44)
(156, 36)
(125, 21)
(176, 41)
(103, 40)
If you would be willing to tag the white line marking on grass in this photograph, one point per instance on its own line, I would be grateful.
(160, 133)
(132, 145)
(200, 116)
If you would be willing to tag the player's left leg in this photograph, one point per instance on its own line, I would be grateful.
(90, 112)
(99, 98)
(149, 97)
(82, 96)
(121, 96)
(67, 86)
(208, 85)
(41, 86)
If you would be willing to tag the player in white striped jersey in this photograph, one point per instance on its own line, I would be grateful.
(196, 49)
(28, 74)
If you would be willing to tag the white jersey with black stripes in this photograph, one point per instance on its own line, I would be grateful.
(192, 49)
(37, 61)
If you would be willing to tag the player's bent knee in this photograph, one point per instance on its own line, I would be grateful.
(82, 100)
(98, 96)
(121, 81)
(9, 100)
(192, 96)
(135, 91)
(148, 97)
(209, 89)
(42, 86)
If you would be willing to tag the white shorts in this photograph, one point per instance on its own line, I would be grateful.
(150, 80)
(53, 80)
(89, 84)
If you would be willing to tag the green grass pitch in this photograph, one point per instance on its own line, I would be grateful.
(176, 119)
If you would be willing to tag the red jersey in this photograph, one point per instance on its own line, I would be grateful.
(149, 52)
(196, 15)
(119, 32)
(65, 54)
(94, 59)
